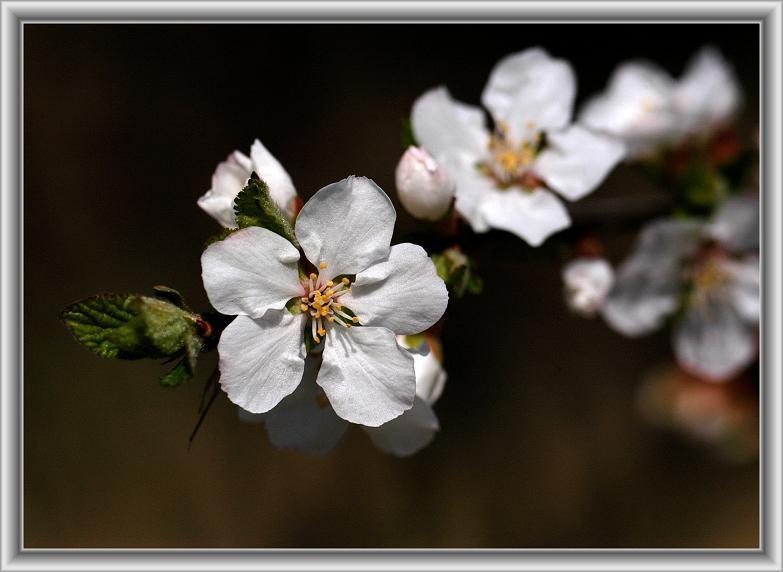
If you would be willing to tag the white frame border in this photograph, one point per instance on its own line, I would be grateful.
(14, 14)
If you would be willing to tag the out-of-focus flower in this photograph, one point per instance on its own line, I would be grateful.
(587, 281)
(424, 188)
(707, 95)
(722, 416)
(707, 273)
(647, 109)
(503, 178)
(305, 420)
(415, 429)
(344, 231)
(231, 176)
(636, 108)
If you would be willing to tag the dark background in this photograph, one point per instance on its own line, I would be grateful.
(541, 443)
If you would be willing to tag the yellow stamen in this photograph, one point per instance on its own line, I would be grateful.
(322, 332)
(355, 320)
(322, 265)
(346, 281)
(313, 276)
(303, 307)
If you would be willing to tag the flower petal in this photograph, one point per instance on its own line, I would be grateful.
(251, 271)
(444, 126)
(531, 215)
(229, 178)
(713, 342)
(430, 377)
(473, 188)
(708, 93)
(281, 188)
(408, 433)
(736, 223)
(648, 282)
(744, 287)
(636, 107)
(576, 160)
(531, 91)
(368, 378)
(305, 420)
(403, 293)
(261, 360)
(347, 225)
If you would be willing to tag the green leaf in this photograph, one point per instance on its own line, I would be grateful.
(179, 374)
(458, 272)
(170, 295)
(129, 326)
(254, 206)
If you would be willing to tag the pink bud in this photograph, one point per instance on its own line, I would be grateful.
(424, 188)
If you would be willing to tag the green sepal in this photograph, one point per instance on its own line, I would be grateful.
(254, 206)
(294, 306)
(130, 326)
(222, 235)
(458, 272)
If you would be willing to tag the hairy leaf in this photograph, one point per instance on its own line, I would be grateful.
(129, 326)
(254, 206)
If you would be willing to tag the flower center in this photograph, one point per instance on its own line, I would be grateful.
(707, 277)
(508, 160)
(322, 302)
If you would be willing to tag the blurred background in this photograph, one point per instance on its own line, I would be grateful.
(543, 442)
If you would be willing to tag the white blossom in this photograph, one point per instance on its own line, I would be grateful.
(504, 178)
(646, 108)
(709, 272)
(305, 420)
(358, 280)
(424, 188)
(231, 176)
(587, 281)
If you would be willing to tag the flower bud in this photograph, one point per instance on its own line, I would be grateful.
(587, 283)
(424, 188)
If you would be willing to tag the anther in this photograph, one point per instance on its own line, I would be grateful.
(322, 265)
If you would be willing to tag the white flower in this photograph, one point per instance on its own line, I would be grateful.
(345, 231)
(707, 270)
(231, 176)
(503, 178)
(424, 188)
(636, 107)
(708, 93)
(646, 108)
(587, 282)
(305, 420)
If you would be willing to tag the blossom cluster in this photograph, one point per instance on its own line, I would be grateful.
(332, 329)
(320, 322)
